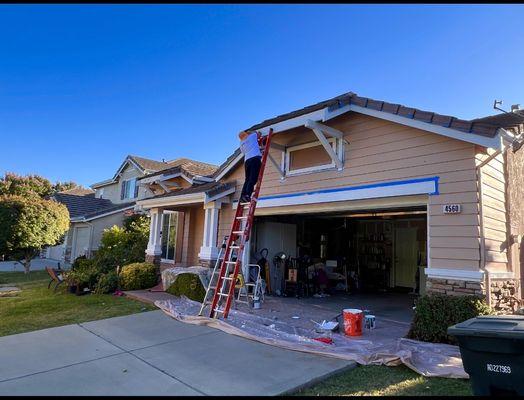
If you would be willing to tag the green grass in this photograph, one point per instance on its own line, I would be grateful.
(37, 307)
(378, 380)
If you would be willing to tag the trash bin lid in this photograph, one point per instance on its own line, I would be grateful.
(510, 326)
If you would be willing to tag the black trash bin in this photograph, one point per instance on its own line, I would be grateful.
(492, 349)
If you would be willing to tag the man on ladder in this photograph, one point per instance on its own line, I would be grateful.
(223, 280)
(249, 146)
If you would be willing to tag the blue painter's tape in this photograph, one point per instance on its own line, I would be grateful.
(434, 179)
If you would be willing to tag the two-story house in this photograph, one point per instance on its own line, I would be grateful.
(110, 202)
(395, 197)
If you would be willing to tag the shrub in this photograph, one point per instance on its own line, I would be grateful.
(188, 285)
(84, 274)
(123, 245)
(436, 312)
(107, 283)
(77, 261)
(138, 276)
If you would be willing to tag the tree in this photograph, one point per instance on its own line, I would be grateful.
(61, 186)
(13, 184)
(29, 223)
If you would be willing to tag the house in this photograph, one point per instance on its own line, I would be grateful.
(108, 203)
(404, 199)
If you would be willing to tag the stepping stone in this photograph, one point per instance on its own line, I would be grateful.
(8, 290)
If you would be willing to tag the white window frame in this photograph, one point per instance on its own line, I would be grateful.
(130, 194)
(101, 193)
(168, 260)
(336, 144)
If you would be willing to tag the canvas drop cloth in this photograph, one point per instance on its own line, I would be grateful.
(383, 345)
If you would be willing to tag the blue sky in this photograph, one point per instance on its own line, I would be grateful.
(82, 86)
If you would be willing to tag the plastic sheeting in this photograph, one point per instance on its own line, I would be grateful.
(170, 275)
(383, 345)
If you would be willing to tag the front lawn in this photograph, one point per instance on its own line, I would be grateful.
(378, 380)
(37, 307)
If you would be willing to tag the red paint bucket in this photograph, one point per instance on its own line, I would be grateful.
(353, 321)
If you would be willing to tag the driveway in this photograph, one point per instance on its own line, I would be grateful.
(36, 265)
(152, 354)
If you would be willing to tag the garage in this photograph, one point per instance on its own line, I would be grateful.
(364, 252)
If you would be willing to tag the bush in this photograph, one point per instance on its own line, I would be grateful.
(77, 261)
(188, 285)
(84, 274)
(436, 312)
(107, 283)
(138, 276)
(123, 245)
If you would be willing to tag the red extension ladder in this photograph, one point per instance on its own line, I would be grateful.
(224, 291)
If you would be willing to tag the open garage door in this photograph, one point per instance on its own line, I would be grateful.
(354, 251)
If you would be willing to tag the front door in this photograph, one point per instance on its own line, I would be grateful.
(405, 257)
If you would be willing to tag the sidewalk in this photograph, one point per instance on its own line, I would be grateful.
(151, 354)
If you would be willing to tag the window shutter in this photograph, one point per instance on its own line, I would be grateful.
(123, 190)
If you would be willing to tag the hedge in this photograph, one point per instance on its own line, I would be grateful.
(434, 313)
(138, 276)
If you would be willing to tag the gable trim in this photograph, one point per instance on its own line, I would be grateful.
(484, 141)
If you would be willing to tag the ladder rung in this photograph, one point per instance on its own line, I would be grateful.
(238, 232)
(218, 310)
(227, 278)
(223, 294)
(231, 262)
(234, 247)
(244, 217)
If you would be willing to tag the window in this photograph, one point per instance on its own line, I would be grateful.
(100, 193)
(169, 235)
(309, 157)
(129, 189)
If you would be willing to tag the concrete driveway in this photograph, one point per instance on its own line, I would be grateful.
(151, 354)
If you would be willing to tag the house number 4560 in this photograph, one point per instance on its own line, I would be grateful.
(451, 208)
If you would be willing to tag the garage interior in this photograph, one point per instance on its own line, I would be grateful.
(372, 255)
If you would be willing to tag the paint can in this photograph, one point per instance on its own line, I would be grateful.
(256, 303)
(352, 321)
(369, 321)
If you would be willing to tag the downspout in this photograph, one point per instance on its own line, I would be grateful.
(481, 221)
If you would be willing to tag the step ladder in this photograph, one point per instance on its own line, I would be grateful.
(213, 280)
(224, 290)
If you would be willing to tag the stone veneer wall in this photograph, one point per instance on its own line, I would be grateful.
(157, 261)
(504, 292)
(454, 287)
(505, 296)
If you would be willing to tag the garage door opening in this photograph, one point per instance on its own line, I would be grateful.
(372, 254)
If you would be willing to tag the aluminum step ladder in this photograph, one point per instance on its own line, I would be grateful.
(224, 291)
(213, 280)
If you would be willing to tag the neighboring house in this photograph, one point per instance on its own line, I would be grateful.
(109, 203)
(404, 198)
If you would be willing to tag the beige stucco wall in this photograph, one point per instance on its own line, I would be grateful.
(382, 151)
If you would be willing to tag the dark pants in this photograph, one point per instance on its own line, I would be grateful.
(252, 167)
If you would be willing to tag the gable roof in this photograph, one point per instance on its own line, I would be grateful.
(487, 127)
(506, 120)
(88, 207)
(473, 127)
(79, 191)
(191, 168)
(149, 167)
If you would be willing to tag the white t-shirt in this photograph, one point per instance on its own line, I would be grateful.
(249, 146)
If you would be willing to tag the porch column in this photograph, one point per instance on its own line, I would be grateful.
(209, 250)
(154, 246)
